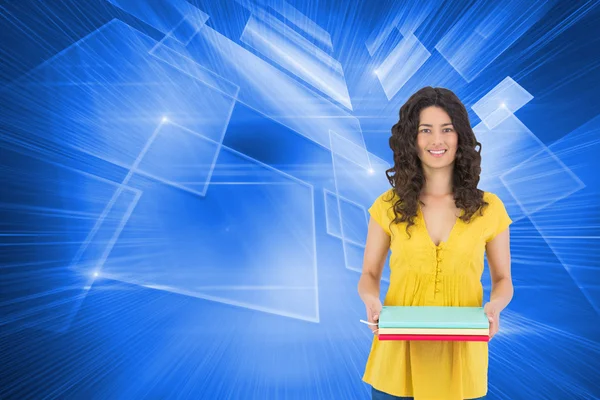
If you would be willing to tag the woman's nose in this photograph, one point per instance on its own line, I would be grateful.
(437, 137)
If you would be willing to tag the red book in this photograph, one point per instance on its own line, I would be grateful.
(461, 338)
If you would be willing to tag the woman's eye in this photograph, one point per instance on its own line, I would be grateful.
(445, 130)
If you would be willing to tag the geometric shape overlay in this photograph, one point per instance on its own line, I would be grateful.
(485, 31)
(285, 47)
(358, 184)
(407, 20)
(354, 255)
(181, 157)
(283, 99)
(504, 99)
(510, 143)
(293, 15)
(105, 94)
(165, 15)
(248, 244)
(349, 150)
(540, 181)
(332, 215)
(174, 53)
(354, 218)
(571, 225)
(356, 188)
(401, 64)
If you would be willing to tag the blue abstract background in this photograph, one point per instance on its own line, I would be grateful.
(184, 187)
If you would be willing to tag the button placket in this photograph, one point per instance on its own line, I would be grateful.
(438, 269)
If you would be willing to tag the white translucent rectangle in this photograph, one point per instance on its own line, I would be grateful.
(349, 150)
(540, 181)
(293, 15)
(164, 15)
(503, 100)
(485, 31)
(283, 99)
(183, 244)
(402, 63)
(288, 49)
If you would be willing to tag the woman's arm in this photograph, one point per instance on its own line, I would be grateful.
(376, 250)
(498, 255)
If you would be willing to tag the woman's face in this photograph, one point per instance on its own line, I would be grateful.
(437, 139)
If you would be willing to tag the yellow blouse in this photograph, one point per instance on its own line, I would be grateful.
(423, 274)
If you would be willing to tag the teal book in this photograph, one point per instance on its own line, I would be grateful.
(432, 317)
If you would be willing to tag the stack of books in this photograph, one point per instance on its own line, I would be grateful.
(433, 323)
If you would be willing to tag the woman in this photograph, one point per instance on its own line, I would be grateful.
(437, 224)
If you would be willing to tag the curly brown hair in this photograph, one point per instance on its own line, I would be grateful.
(407, 177)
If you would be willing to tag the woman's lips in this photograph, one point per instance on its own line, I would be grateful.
(437, 153)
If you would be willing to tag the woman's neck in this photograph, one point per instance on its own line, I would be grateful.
(438, 182)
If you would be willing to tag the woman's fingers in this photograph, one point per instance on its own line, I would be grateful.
(374, 319)
(493, 314)
(373, 310)
(370, 318)
(494, 326)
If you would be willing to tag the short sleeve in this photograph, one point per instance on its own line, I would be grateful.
(498, 218)
(380, 210)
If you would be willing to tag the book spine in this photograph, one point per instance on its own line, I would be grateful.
(448, 325)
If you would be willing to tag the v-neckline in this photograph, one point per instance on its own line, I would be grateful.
(443, 242)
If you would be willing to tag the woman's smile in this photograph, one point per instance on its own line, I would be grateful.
(437, 153)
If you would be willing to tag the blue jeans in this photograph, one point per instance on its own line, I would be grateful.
(379, 395)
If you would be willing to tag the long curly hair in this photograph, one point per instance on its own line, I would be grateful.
(407, 177)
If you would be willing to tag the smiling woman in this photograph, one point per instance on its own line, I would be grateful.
(438, 225)
(437, 137)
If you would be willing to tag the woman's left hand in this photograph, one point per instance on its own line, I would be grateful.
(493, 313)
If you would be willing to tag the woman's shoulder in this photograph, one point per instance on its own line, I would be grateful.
(389, 196)
(491, 197)
(495, 205)
(497, 216)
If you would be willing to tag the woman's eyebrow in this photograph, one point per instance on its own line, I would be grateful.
(447, 123)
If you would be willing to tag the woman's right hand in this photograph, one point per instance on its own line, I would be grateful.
(374, 307)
